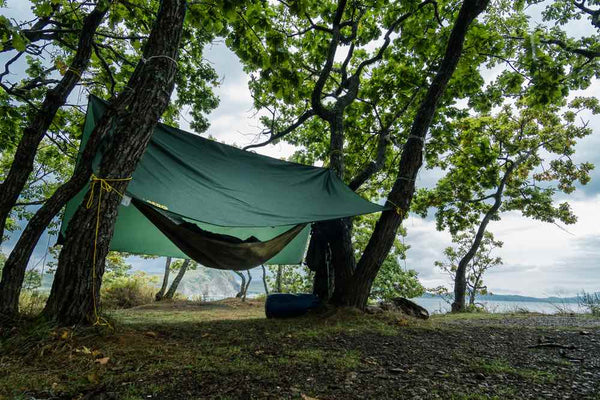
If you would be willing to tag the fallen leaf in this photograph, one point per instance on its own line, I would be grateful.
(151, 334)
(93, 378)
(305, 397)
(103, 360)
(96, 353)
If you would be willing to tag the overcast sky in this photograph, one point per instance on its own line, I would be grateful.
(539, 259)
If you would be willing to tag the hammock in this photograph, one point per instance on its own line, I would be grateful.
(212, 249)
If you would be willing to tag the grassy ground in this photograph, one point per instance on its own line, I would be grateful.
(228, 350)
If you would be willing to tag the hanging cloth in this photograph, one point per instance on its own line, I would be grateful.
(212, 249)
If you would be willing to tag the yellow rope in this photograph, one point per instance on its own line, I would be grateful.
(104, 186)
(399, 209)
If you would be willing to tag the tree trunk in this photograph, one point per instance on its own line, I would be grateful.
(165, 282)
(264, 278)
(472, 294)
(460, 279)
(356, 292)
(318, 259)
(16, 264)
(247, 285)
(177, 280)
(278, 278)
(74, 295)
(240, 294)
(33, 134)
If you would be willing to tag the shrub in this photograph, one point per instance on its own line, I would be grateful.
(32, 302)
(590, 302)
(128, 291)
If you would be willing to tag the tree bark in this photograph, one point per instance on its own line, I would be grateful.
(460, 279)
(74, 295)
(159, 295)
(240, 294)
(278, 278)
(177, 280)
(247, 285)
(56, 97)
(356, 292)
(264, 279)
(16, 264)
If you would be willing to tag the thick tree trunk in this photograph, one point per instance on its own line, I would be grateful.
(76, 285)
(357, 291)
(159, 295)
(56, 97)
(177, 280)
(16, 264)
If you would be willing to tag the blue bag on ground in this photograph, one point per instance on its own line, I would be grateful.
(286, 305)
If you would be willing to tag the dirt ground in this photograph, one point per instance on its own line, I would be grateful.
(228, 350)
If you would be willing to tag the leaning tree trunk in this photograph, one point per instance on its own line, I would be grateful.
(56, 97)
(159, 295)
(16, 264)
(240, 294)
(245, 291)
(357, 290)
(177, 280)
(460, 279)
(75, 290)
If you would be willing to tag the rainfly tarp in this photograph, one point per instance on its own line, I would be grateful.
(222, 190)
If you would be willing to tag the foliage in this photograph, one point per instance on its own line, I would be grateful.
(33, 278)
(115, 267)
(46, 47)
(32, 302)
(393, 280)
(528, 150)
(293, 279)
(128, 291)
(590, 302)
(176, 265)
(477, 267)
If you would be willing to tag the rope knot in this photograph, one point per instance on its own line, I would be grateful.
(104, 186)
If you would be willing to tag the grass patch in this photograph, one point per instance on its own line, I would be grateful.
(501, 366)
(199, 340)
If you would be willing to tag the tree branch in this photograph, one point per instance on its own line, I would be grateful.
(307, 115)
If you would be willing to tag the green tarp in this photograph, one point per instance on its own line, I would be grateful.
(224, 190)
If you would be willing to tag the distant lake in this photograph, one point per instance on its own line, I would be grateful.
(438, 306)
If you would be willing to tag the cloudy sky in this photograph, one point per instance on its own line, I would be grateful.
(539, 259)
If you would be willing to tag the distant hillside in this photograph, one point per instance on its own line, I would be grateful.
(517, 298)
(208, 283)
